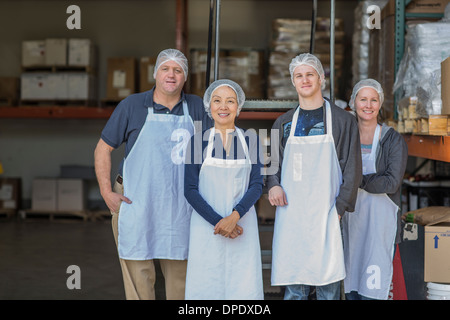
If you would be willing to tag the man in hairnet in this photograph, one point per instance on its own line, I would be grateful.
(316, 183)
(150, 215)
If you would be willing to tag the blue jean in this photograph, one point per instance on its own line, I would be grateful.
(300, 291)
(354, 295)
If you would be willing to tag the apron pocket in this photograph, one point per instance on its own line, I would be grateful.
(297, 166)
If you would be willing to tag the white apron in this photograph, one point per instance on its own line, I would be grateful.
(369, 236)
(156, 224)
(221, 268)
(307, 242)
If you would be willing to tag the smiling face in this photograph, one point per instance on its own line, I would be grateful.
(367, 104)
(306, 81)
(224, 107)
(170, 78)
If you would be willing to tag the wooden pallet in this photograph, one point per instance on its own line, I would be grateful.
(8, 102)
(55, 69)
(59, 102)
(8, 213)
(84, 215)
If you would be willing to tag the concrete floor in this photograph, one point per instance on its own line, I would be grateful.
(35, 254)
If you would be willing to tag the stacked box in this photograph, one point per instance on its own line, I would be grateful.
(244, 66)
(426, 45)
(197, 70)
(9, 90)
(58, 194)
(10, 193)
(55, 52)
(33, 53)
(290, 37)
(43, 195)
(57, 86)
(81, 53)
(71, 195)
(121, 80)
(81, 86)
(146, 68)
(56, 69)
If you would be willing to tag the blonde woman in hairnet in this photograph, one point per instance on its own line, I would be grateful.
(317, 181)
(223, 181)
(372, 230)
(150, 216)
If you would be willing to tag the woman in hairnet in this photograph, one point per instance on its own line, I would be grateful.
(371, 232)
(223, 181)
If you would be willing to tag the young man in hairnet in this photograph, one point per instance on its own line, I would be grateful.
(316, 183)
(150, 215)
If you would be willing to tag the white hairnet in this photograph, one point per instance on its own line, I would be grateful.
(308, 60)
(173, 55)
(366, 83)
(240, 95)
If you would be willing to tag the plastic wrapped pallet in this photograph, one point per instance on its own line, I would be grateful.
(291, 37)
(426, 46)
(245, 66)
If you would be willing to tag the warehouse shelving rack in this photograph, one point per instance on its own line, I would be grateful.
(423, 146)
(419, 146)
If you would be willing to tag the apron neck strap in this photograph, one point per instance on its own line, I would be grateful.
(211, 142)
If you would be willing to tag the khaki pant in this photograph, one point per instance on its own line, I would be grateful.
(139, 276)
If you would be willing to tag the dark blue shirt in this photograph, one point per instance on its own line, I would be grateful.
(195, 154)
(309, 123)
(129, 117)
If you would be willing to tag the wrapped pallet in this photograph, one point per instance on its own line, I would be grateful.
(244, 66)
(426, 46)
(291, 37)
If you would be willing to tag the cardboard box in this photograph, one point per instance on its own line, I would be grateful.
(416, 6)
(197, 70)
(57, 86)
(43, 197)
(121, 78)
(71, 195)
(146, 68)
(9, 89)
(44, 86)
(445, 86)
(10, 193)
(246, 67)
(55, 52)
(427, 6)
(34, 86)
(81, 86)
(438, 124)
(437, 252)
(81, 53)
(33, 53)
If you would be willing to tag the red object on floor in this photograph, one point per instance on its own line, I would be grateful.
(398, 288)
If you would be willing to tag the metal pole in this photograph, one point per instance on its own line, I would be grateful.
(216, 57)
(208, 56)
(313, 27)
(332, 50)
